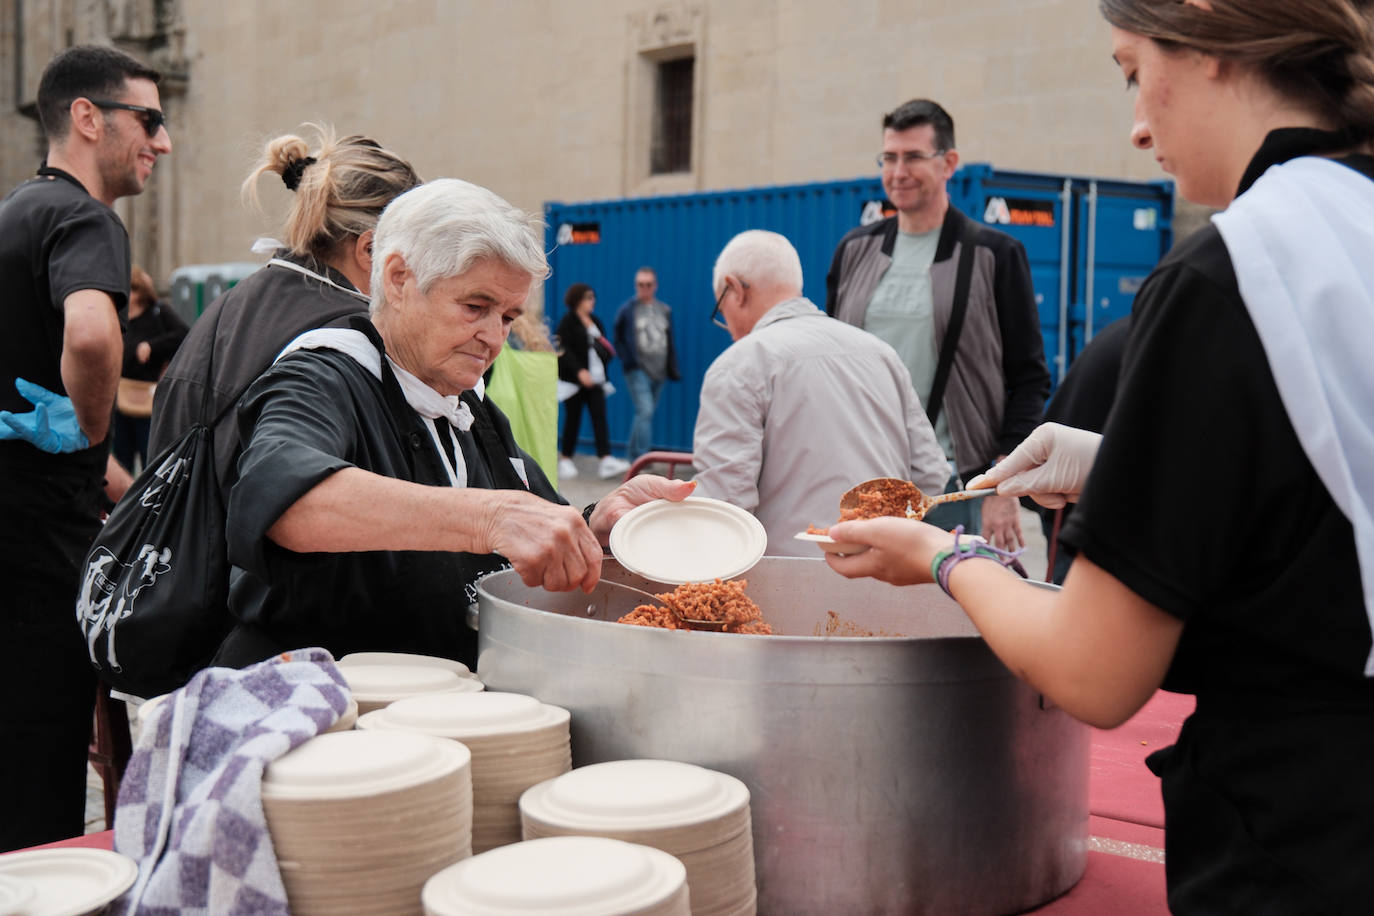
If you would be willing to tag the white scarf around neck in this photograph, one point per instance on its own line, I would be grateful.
(1301, 240)
(423, 399)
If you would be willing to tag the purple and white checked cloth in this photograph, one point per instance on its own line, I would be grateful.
(190, 804)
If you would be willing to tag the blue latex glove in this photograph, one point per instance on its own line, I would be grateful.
(50, 426)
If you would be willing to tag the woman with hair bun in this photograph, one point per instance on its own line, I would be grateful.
(1250, 349)
(321, 276)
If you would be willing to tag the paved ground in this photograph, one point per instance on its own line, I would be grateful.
(585, 488)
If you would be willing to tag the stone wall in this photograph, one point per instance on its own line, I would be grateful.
(549, 100)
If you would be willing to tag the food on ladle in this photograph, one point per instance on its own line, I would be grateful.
(711, 601)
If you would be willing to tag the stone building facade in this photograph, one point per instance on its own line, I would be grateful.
(554, 100)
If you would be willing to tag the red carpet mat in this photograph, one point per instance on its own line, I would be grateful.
(1120, 786)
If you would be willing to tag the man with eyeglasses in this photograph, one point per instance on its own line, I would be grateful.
(979, 367)
(801, 406)
(644, 341)
(64, 272)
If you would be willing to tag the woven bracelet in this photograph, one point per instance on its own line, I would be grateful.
(945, 561)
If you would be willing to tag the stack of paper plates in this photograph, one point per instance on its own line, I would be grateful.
(698, 815)
(360, 820)
(404, 658)
(516, 742)
(380, 678)
(562, 876)
(63, 882)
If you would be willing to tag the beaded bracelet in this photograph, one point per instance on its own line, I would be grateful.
(945, 561)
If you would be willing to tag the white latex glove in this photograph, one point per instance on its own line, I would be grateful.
(1050, 466)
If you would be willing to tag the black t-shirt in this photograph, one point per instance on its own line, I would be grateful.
(55, 239)
(1202, 501)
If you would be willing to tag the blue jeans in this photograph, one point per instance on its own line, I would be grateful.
(644, 391)
(968, 512)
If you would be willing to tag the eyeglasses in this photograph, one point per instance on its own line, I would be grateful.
(153, 119)
(644, 283)
(909, 159)
(715, 313)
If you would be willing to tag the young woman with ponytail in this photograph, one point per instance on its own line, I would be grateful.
(1251, 351)
(320, 275)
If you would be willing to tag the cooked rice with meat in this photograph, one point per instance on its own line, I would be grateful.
(714, 601)
(881, 500)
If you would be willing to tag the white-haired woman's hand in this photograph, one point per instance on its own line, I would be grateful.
(1050, 466)
(548, 545)
(638, 490)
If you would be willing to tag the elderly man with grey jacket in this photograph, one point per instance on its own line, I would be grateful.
(801, 406)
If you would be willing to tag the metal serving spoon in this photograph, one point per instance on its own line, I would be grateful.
(716, 626)
(917, 503)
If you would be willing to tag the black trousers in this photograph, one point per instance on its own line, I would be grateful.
(594, 398)
(47, 684)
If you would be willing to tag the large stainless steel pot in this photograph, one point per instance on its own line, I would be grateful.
(887, 775)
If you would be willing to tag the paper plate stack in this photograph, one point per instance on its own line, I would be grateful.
(360, 820)
(405, 658)
(63, 881)
(562, 876)
(698, 815)
(516, 742)
(378, 679)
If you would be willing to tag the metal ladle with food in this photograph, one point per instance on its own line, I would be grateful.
(885, 496)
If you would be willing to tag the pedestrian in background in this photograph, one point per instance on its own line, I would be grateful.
(644, 341)
(954, 299)
(523, 382)
(800, 406)
(584, 353)
(152, 333)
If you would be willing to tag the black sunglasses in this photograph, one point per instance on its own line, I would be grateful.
(153, 119)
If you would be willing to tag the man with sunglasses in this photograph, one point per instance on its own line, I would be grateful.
(901, 278)
(64, 272)
(800, 407)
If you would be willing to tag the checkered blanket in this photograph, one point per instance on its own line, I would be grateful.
(190, 804)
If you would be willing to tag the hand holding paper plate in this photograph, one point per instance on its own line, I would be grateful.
(695, 540)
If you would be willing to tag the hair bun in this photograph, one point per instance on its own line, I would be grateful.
(291, 175)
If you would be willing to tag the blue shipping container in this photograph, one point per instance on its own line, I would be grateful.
(1116, 232)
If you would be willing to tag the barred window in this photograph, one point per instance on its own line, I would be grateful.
(671, 146)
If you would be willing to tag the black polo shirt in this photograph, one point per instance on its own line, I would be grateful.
(1202, 500)
(55, 239)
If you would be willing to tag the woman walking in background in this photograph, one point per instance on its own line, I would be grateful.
(584, 353)
(152, 333)
(1250, 340)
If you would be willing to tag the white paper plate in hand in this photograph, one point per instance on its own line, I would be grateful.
(696, 540)
(830, 545)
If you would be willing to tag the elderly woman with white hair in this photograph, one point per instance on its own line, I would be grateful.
(377, 483)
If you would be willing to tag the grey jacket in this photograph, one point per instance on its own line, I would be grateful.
(798, 411)
(999, 380)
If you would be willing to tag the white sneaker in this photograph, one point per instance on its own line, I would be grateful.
(566, 469)
(611, 466)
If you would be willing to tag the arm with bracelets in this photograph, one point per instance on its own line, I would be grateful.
(1095, 648)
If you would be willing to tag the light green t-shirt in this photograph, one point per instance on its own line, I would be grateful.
(902, 313)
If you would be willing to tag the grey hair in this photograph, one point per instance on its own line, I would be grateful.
(442, 228)
(758, 256)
